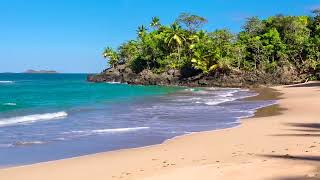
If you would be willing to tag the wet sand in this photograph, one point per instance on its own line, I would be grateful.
(281, 143)
(267, 93)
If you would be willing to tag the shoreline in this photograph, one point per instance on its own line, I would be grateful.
(271, 96)
(260, 112)
(166, 161)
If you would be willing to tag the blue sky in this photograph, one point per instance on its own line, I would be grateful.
(69, 35)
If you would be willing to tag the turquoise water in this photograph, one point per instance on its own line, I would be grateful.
(45, 92)
(47, 117)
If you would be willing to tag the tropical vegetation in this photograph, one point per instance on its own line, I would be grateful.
(263, 45)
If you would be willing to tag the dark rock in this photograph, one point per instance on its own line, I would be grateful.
(318, 75)
(124, 74)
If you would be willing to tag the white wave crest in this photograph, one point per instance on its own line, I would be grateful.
(190, 89)
(32, 118)
(218, 101)
(6, 82)
(105, 131)
(28, 143)
(9, 104)
(220, 95)
(113, 82)
(228, 93)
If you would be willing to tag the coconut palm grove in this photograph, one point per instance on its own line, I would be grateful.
(274, 45)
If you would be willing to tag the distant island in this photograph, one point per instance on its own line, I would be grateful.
(277, 50)
(31, 71)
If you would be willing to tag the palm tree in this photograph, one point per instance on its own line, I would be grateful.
(141, 30)
(113, 56)
(175, 37)
(155, 23)
(197, 37)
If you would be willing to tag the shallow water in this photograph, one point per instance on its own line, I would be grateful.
(49, 117)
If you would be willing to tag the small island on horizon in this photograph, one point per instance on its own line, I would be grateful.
(183, 99)
(31, 71)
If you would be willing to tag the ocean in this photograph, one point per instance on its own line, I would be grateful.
(46, 117)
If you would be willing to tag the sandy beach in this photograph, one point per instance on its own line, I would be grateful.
(281, 143)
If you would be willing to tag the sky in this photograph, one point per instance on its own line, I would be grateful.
(69, 35)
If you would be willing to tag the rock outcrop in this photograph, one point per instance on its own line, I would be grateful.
(124, 74)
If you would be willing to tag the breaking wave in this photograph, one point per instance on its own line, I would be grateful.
(31, 118)
(9, 104)
(105, 131)
(6, 82)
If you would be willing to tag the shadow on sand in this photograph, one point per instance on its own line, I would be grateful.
(313, 159)
(309, 84)
(299, 178)
(301, 130)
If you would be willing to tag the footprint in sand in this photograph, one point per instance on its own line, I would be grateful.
(125, 173)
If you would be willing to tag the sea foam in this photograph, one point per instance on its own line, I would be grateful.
(216, 96)
(104, 131)
(31, 118)
(9, 104)
(218, 101)
(113, 82)
(28, 143)
(6, 82)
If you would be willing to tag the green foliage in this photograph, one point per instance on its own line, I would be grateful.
(129, 51)
(192, 22)
(112, 55)
(263, 45)
(253, 26)
(313, 78)
(155, 22)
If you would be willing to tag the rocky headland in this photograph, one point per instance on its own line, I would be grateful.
(124, 74)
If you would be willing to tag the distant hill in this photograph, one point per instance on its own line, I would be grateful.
(30, 71)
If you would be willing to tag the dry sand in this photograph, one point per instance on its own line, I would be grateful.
(284, 146)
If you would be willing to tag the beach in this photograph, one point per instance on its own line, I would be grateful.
(281, 142)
